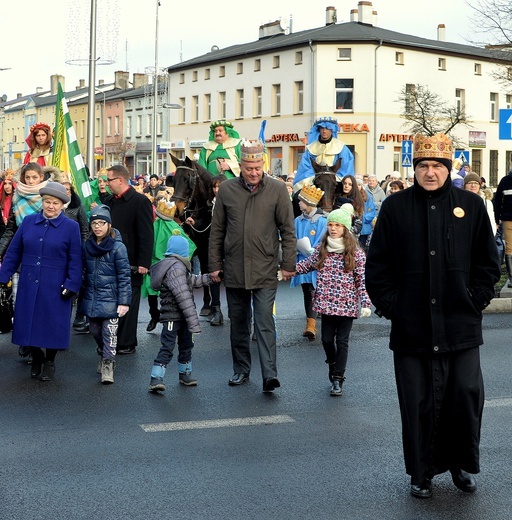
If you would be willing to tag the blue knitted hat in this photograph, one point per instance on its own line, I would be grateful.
(177, 245)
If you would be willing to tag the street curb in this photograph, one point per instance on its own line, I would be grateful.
(499, 305)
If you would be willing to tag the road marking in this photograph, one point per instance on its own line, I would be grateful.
(216, 423)
(495, 403)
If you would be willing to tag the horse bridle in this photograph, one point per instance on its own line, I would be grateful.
(192, 183)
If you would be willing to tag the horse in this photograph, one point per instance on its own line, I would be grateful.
(192, 188)
(327, 181)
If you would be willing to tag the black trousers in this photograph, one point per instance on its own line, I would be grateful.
(240, 312)
(441, 403)
(335, 334)
(127, 331)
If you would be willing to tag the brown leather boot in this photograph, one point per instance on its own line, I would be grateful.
(310, 331)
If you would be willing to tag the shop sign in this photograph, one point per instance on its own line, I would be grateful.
(348, 128)
(395, 138)
(284, 137)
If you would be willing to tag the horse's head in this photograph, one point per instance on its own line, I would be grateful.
(325, 179)
(185, 180)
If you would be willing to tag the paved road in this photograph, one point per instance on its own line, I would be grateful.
(74, 449)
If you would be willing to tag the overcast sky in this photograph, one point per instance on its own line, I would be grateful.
(36, 37)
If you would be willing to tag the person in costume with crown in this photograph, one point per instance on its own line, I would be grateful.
(221, 153)
(325, 148)
(431, 269)
(252, 218)
(310, 227)
(39, 142)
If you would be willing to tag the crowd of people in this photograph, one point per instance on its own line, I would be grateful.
(127, 245)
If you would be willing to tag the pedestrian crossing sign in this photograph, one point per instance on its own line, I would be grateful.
(462, 155)
(406, 154)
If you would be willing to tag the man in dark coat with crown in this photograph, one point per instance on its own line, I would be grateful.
(431, 269)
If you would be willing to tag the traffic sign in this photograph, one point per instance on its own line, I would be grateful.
(505, 123)
(407, 154)
(462, 155)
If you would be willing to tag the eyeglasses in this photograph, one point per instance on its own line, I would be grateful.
(112, 179)
(98, 223)
(474, 183)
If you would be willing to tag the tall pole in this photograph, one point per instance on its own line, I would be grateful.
(154, 152)
(91, 98)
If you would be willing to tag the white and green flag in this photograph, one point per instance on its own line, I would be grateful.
(66, 153)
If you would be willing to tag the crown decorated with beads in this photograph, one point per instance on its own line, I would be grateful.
(438, 146)
(165, 209)
(251, 150)
(40, 126)
(311, 195)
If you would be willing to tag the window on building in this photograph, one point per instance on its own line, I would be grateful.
(508, 101)
(493, 113)
(116, 125)
(344, 90)
(109, 126)
(159, 123)
(410, 89)
(257, 102)
(257, 65)
(206, 73)
(298, 97)
(239, 68)
(149, 124)
(182, 78)
(460, 100)
(399, 58)
(344, 53)
(275, 62)
(128, 126)
(298, 58)
(239, 113)
(276, 100)
(222, 105)
(478, 69)
(207, 111)
(222, 71)
(97, 128)
(441, 63)
(139, 125)
(195, 109)
(182, 112)
(82, 129)
(194, 75)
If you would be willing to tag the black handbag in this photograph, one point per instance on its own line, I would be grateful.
(5, 309)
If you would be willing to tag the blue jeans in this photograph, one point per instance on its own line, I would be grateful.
(335, 334)
(171, 331)
(240, 311)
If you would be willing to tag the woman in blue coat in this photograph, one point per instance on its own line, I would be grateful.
(47, 249)
(108, 291)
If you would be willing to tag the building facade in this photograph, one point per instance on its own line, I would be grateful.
(353, 71)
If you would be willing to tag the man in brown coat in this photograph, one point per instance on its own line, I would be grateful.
(252, 217)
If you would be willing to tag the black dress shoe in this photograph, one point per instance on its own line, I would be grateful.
(151, 325)
(123, 351)
(423, 490)
(270, 384)
(238, 379)
(463, 480)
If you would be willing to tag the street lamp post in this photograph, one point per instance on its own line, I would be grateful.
(154, 152)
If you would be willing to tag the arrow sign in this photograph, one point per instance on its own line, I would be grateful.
(505, 123)
(407, 153)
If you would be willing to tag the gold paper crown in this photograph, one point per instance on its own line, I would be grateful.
(311, 195)
(165, 209)
(8, 174)
(252, 151)
(438, 146)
